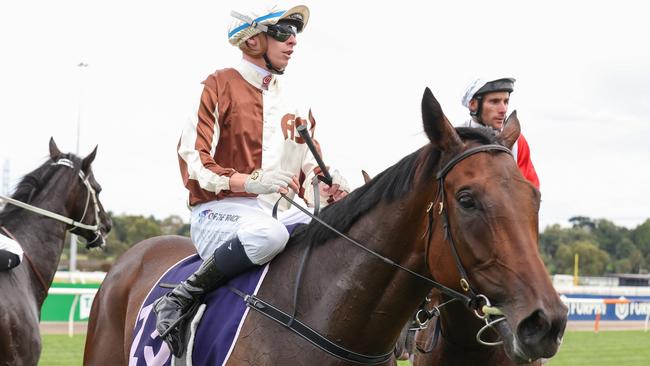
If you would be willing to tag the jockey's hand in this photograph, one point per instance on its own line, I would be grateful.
(337, 190)
(294, 185)
(265, 182)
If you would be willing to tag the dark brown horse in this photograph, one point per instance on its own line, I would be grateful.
(359, 298)
(454, 342)
(58, 196)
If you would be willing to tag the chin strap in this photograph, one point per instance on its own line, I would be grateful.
(270, 66)
(477, 112)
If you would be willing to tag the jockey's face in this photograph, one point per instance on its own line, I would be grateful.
(280, 52)
(495, 107)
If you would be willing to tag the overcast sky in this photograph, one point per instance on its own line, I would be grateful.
(582, 91)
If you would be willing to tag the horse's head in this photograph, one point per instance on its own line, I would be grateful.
(83, 205)
(487, 213)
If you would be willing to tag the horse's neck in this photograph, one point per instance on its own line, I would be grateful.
(355, 298)
(40, 237)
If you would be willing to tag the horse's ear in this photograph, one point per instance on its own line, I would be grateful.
(85, 163)
(312, 120)
(511, 131)
(439, 130)
(54, 150)
(366, 176)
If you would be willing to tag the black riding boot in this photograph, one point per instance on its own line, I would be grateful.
(177, 308)
(8, 260)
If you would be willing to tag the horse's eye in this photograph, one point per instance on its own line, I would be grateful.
(466, 200)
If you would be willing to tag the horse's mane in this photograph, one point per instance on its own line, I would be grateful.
(391, 184)
(32, 183)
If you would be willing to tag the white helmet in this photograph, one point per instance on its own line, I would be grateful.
(480, 86)
(254, 22)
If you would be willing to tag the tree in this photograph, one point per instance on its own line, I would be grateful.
(549, 240)
(592, 260)
(641, 237)
(174, 225)
(609, 236)
(554, 236)
(582, 222)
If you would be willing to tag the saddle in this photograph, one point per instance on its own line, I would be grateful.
(213, 329)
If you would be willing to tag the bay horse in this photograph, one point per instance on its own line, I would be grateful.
(456, 210)
(60, 195)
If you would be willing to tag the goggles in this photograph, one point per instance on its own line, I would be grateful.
(281, 32)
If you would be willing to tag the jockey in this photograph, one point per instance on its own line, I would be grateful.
(487, 101)
(11, 254)
(237, 154)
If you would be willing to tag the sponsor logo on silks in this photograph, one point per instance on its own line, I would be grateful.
(204, 214)
(266, 81)
(217, 216)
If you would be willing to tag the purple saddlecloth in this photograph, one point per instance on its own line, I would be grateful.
(215, 332)
(217, 329)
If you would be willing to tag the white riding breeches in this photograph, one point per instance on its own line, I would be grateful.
(263, 237)
(11, 246)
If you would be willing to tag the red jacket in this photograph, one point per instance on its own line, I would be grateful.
(523, 161)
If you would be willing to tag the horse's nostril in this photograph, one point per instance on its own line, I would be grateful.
(534, 328)
(106, 227)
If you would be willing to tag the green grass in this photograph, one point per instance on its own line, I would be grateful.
(628, 348)
(61, 350)
(611, 348)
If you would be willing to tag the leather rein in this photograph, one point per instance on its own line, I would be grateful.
(473, 300)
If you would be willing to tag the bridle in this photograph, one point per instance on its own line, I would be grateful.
(473, 300)
(75, 224)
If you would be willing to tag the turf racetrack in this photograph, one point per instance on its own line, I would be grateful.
(607, 348)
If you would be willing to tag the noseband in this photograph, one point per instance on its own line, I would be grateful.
(75, 224)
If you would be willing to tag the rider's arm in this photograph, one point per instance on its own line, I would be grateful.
(525, 163)
(198, 144)
(237, 181)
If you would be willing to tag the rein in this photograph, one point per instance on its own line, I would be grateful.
(53, 215)
(472, 301)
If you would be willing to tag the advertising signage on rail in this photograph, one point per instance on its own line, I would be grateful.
(585, 307)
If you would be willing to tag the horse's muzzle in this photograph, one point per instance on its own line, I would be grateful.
(538, 336)
(98, 242)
